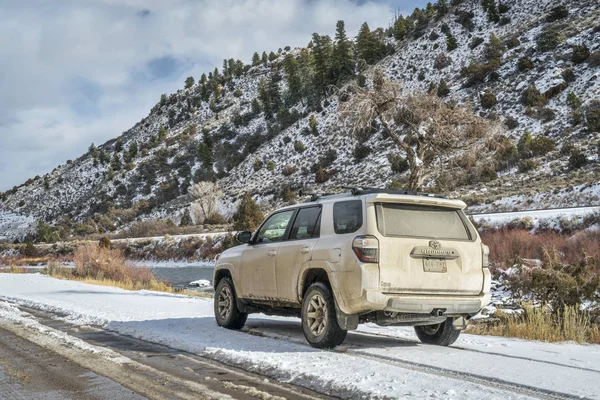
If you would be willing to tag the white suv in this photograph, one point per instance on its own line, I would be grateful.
(372, 255)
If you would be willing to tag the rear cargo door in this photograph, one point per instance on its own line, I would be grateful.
(427, 250)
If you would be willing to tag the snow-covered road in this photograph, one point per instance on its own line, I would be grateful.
(374, 362)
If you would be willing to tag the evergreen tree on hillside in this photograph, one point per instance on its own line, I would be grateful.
(322, 50)
(400, 28)
(203, 79)
(189, 82)
(343, 60)
(115, 164)
(239, 68)
(255, 59)
(365, 44)
(442, 9)
(265, 58)
(294, 93)
(272, 56)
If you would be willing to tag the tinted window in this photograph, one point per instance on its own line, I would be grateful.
(305, 225)
(347, 216)
(273, 230)
(421, 221)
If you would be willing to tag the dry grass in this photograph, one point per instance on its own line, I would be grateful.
(111, 269)
(538, 323)
(508, 246)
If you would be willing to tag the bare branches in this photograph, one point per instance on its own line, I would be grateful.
(424, 127)
(205, 195)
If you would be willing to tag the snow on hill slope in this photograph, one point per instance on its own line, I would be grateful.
(374, 362)
(188, 137)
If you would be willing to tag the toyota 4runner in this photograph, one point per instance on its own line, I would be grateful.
(373, 255)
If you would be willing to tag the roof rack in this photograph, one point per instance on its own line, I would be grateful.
(361, 191)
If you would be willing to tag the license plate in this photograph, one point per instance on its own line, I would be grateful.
(434, 265)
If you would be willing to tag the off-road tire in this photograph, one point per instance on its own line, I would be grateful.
(443, 334)
(318, 310)
(227, 315)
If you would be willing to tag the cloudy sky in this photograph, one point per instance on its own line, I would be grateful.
(74, 72)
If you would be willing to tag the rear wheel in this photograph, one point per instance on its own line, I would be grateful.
(443, 334)
(226, 311)
(319, 321)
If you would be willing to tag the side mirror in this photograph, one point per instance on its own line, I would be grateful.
(244, 237)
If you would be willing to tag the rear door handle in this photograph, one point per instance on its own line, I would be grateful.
(272, 253)
(305, 249)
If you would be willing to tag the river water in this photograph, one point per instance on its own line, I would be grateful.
(180, 276)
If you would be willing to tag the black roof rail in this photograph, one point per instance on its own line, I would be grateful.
(361, 191)
(315, 196)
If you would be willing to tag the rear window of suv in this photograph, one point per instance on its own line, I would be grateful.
(408, 220)
(347, 216)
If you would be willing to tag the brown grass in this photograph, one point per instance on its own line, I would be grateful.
(538, 323)
(104, 267)
(508, 246)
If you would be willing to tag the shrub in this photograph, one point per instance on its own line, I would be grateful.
(237, 93)
(270, 165)
(546, 114)
(476, 73)
(321, 175)
(95, 262)
(29, 250)
(512, 42)
(549, 40)
(494, 49)
(580, 53)
(511, 122)
(258, 164)
(541, 145)
(313, 125)
(215, 218)
(361, 151)
(451, 43)
(527, 165)
(288, 195)
(288, 170)
(577, 159)
(441, 61)
(476, 41)
(532, 97)
(488, 99)
(567, 149)
(488, 174)
(557, 13)
(299, 146)
(398, 164)
(594, 60)
(573, 101)
(568, 75)
(524, 64)
(433, 36)
(248, 215)
(592, 115)
(105, 242)
(286, 140)
(442, 89)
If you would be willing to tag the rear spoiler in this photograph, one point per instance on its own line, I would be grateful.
(422, 200)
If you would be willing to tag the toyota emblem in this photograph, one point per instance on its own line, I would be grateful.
(434, 244)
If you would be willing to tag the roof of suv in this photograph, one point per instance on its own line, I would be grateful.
(390, 196)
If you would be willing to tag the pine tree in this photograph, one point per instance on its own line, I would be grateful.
(272, 56)
(189, 82)
(400, 28)
(239, 68)
(255, 59)
(162, 133)
(442, 9)
(443, 90)
(313, 125)
(186, 219)
(264, 58)
(343, 60)
(263, 96)
(321, 60)
(115, 164)
(248, 215)
(451, 43)
(256, 107)
(294, 93)
(118, 145)
(46, 183)
(203, 79)
(365, 46)
(273, 94)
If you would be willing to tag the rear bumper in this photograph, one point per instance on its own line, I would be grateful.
(419, 304)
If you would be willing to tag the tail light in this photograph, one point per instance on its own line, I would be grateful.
(366, 248)
(485, 255)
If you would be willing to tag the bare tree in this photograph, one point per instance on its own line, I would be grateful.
(423, 127)
(206, 196)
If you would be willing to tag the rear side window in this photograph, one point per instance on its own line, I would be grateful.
(347, 216)
(306, 224)
(421, 221)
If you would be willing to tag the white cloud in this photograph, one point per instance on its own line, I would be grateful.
(75, 72)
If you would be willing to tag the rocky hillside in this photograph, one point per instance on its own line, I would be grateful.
(274, 126)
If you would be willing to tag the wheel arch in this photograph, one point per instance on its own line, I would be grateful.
(220, 273)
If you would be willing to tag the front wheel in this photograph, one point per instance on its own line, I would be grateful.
(226, 311)
(319, 321)
(443, 334)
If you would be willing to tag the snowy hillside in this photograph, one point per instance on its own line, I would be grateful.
(219, 129)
